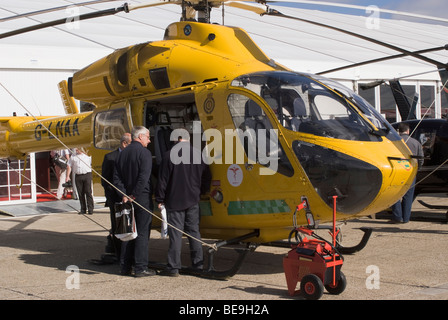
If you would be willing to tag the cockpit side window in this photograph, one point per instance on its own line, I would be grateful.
(248, 117)
(256, 133)
(302, 104)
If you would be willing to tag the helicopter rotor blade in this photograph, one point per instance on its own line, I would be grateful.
(91, 15)
(358, 7)
(247, 7)
(33, 13)
(273, 12)
(131, 7)
(401, 55)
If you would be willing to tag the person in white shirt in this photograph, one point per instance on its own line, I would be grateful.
(81, 165)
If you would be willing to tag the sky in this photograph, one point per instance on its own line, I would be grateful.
(436, 8)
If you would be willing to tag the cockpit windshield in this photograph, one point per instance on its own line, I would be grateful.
(302, 104)
(368, 111)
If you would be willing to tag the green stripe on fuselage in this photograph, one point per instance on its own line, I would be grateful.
(257, 207)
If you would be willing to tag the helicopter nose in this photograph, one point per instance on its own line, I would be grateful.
(362, 187)
(355, 182)
(397, 179)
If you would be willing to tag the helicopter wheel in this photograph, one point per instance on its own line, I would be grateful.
(311, 287)
(339, 287)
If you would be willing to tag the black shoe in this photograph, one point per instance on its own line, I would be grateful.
(126, 272)
(145, 273)
(193, 270)
(81, 212)
(169, 273)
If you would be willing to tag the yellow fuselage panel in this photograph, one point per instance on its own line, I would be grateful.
(209, 52)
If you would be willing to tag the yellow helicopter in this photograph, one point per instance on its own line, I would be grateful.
(274, 137)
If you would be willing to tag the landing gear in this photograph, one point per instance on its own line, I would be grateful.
(359, 246)
(437, 207)
(211, 272)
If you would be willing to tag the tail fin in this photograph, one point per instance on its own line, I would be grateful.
(68, 101)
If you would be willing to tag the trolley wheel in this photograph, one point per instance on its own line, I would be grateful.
(311, 287)
(339, 287)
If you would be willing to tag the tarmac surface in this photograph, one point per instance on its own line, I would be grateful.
(48, 257)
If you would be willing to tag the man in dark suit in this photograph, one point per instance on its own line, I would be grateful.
(132, 177)
(107, 172)
(179, 186)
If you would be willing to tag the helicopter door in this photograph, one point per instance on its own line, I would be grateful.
(261, 143)
(110, 125)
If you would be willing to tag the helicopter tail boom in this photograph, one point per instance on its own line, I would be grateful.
(22, 135)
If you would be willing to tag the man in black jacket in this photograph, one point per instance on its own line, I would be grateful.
(183, 176)
(107, 172)
(132, 177)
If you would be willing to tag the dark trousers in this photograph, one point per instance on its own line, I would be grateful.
(135, 252)
(114, 241)
(84, 188)
(401, 210)
(188, 221)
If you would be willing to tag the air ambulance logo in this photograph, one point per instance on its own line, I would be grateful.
(235, 175)
(405, 164)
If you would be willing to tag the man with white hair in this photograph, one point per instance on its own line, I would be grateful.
(132, 177)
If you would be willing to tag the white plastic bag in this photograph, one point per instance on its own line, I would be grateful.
(126, 229)
(164, 226)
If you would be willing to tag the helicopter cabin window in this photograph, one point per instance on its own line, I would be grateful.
(302, 104)
(257, 135)
(109, 127)
(165, 115)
